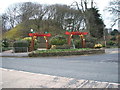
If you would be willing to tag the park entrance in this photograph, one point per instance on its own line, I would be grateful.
(35, 35)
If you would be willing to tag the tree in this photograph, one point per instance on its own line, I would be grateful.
(115, 32)
(4, 22)
(11, 16)
(114, 8)
(91, 18)
(96, 24)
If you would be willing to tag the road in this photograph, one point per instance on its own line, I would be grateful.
(102, 67)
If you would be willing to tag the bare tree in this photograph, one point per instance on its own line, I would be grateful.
(114, 8)
(11, 16)
(90, 17)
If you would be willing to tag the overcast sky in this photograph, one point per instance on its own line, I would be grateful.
(101, 4)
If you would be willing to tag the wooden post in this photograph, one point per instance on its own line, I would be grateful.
(32, 44)
(82, 41)
(46, 39)
(69, 39)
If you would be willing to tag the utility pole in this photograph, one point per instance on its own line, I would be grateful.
(104, 32)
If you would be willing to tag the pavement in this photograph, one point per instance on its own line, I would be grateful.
(21, 79)
(13, 54)
(10, 53)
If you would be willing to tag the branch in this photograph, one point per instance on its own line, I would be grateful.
(115, 22)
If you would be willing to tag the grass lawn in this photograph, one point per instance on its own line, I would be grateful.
(60, 50)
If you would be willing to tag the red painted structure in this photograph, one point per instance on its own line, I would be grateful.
(34, 35)
(40, 34)
(76, 33)
(81, 34)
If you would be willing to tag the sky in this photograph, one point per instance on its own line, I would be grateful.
(101, 4)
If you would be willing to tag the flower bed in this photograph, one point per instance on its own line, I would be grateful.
(65, 52)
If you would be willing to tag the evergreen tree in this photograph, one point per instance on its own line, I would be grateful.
(96, 24)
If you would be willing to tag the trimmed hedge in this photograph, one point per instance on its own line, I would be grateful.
(20, 46)
(58, 40)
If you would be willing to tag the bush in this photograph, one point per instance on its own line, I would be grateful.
(113, 38)
(20, 46)
(28, 39)
(58, 40)
(53, 47)
(110, 43)
(5, 43)
(6, 48)
(78, 44)
(65, 46)
(90, 42)
(98, 45)
(90, 45)
(91, 39)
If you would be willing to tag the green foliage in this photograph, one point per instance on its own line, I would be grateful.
(5, 43)
(78, 44)
(90, 45)
(65, 52)
(96, 25)
(28, 40)
(115, 32)
(113, 38)
(91, 39)
(58, 40)
(90, 42)
(111, 43)
(65, 46)
(59, 50)
(22, 30)
(20, 46)
(6, 48)
(14, 33)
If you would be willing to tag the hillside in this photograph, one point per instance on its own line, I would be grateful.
(22, 30)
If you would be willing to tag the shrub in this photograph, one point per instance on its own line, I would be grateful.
(78, 44)
(90, 45)
(58, 40)
(20, 46)
(110, 43)
(90, 42)
(53, 47)
(65, 46)
(5, 43)
(113, 38)
(6, 48)
(98, 45)
(91, 39)
(28, 39)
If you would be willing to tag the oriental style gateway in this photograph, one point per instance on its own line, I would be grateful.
(46, 35)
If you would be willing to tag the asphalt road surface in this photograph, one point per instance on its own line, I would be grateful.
(101, 67)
